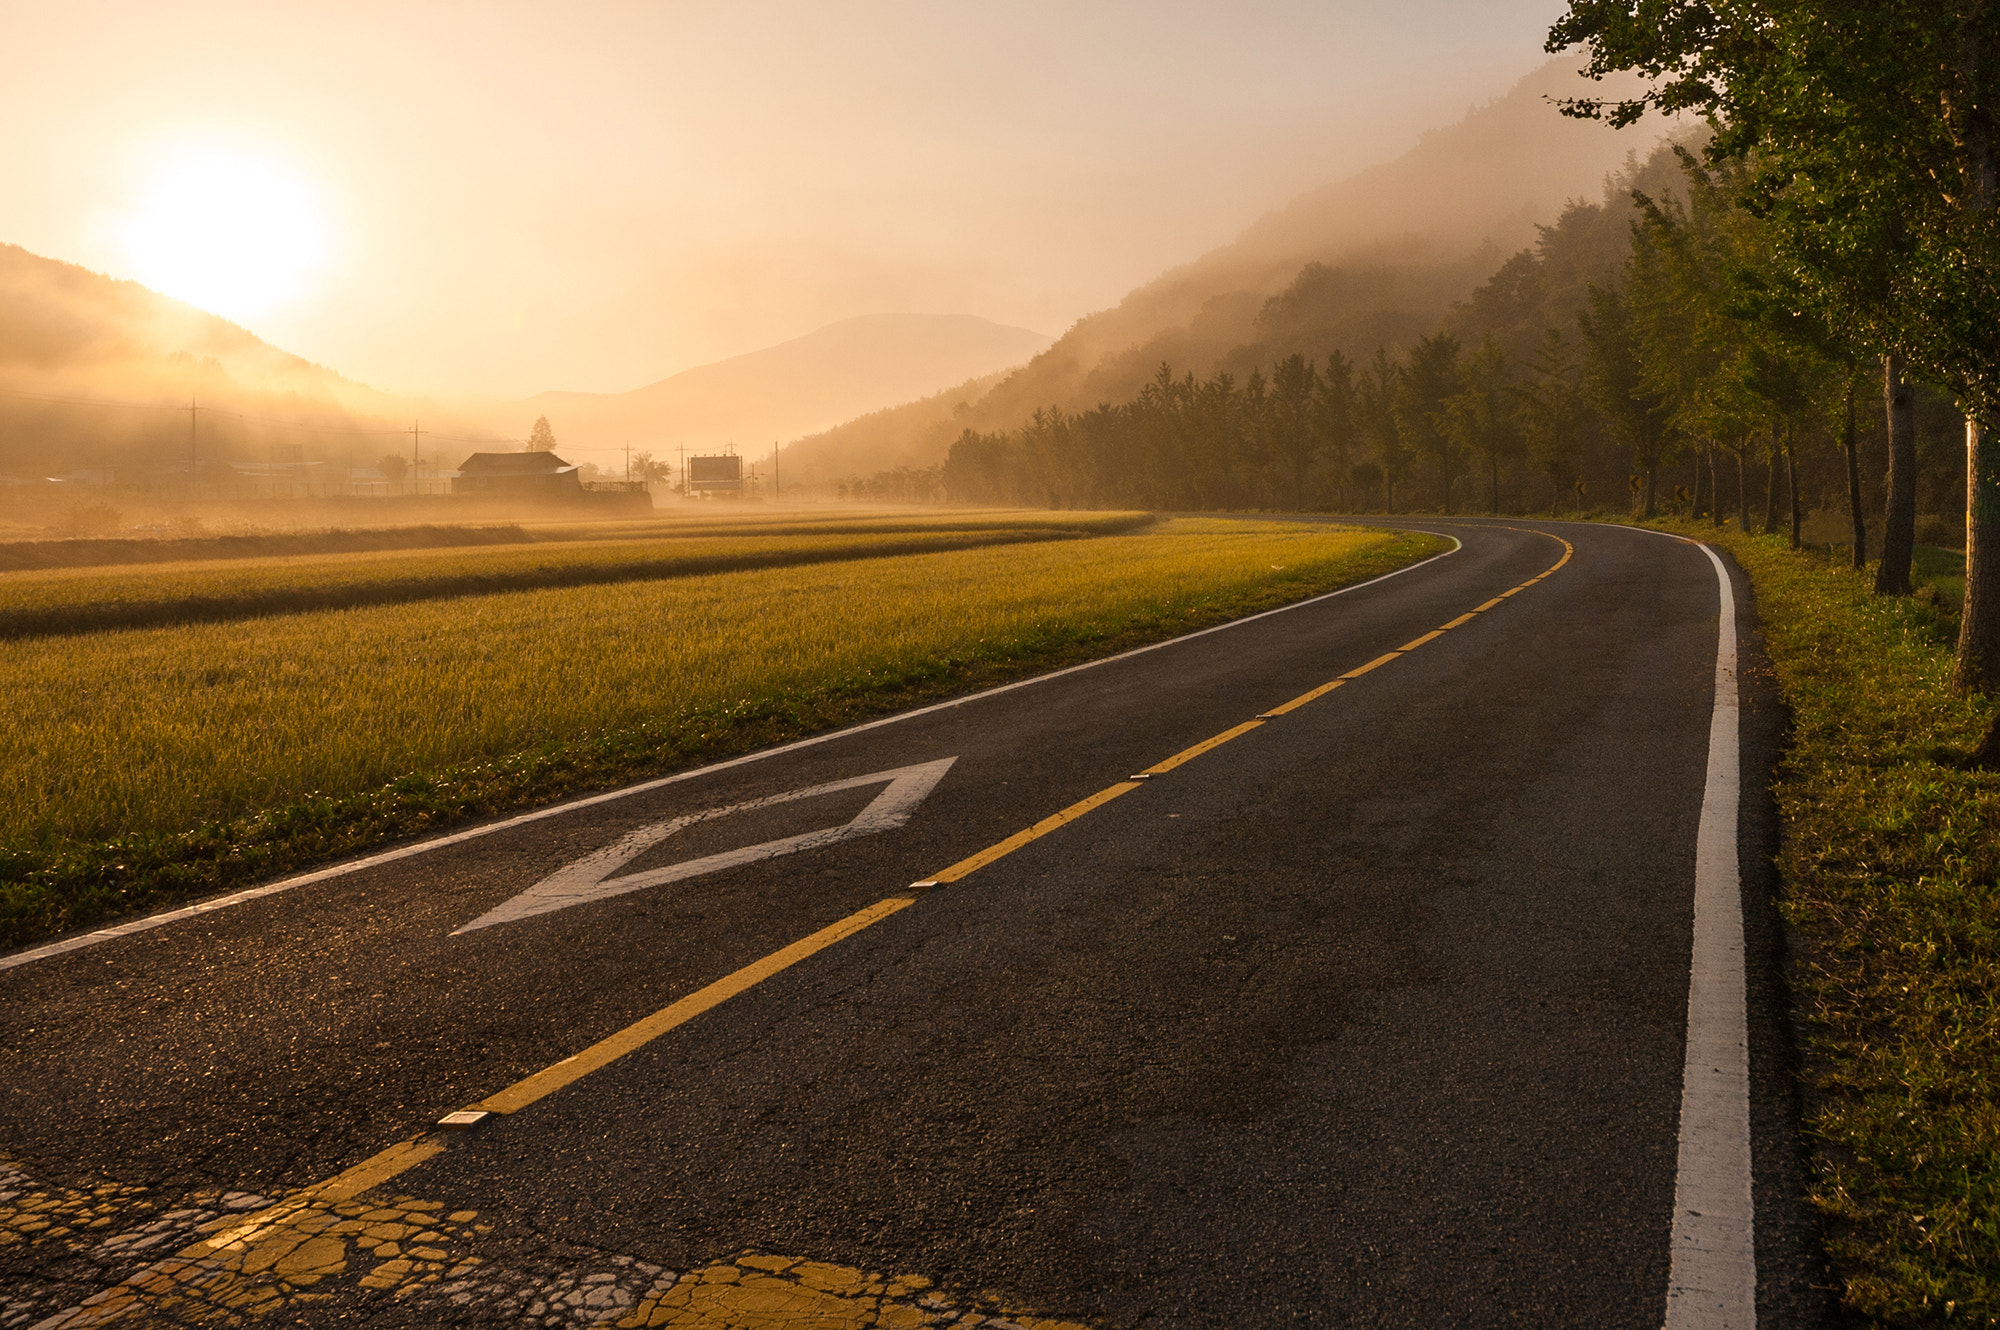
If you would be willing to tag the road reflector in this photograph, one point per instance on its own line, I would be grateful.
(1144, 775)
(464, 1119)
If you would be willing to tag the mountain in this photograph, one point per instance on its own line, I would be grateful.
(793, 388)
(96, 372)
(1396, 246)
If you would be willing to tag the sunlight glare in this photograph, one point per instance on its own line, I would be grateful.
(229, 231)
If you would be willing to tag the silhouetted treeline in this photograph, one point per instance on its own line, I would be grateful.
(1616, 363)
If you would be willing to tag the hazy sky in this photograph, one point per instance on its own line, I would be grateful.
(503, 198)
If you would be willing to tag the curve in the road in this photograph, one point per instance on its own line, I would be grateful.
(1393, 1025)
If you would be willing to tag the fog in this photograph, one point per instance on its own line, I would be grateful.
(520, 198)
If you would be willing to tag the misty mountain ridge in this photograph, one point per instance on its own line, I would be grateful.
(98, 371)
(1375, 259)
(795, 387)
(64, 325)
(1393, 249)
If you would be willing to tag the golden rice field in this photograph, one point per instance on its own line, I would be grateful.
(77, 599)
(167, 728)
(839, 521)
(141, 767)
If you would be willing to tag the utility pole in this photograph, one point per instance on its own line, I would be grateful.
(775, 491)
(194, 475)
(682, 449)
(416, 459)
(628, 461)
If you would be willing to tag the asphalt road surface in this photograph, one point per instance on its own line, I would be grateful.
(1373, 1014)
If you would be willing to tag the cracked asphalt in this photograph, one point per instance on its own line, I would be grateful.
(1372, 1016)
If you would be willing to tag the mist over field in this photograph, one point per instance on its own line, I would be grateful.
(627, 226)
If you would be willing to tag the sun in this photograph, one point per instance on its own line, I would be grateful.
(234, 232)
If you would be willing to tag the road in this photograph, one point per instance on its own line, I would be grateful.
(1372, 1014)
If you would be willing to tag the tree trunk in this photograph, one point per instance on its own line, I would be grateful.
(1496, 484)
(1742, 490)
(1771, 490)
(1899, 530)
(1792, 489)
(1695, 509)
(1848, 445)
(1715, 490)
(1979, 626)
(1978, 664)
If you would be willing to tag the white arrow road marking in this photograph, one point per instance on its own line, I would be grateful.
(590, 878)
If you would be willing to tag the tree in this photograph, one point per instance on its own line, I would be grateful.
(541, 439)
(1617, 385)
(1295, 436)
(1693, 351)
(1551, 410)
(1428, 379)
(1375, 410)
(1899, 533)
(649, 469)
(1334, 418)
(393, 466)
(1870, 129)
(1480, 416)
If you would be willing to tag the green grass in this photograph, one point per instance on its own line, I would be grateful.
(1889, 866)
(1943, 570)
(74, 600)
(159, 764)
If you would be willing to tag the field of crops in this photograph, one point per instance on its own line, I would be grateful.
(158, 763)
(68, 600)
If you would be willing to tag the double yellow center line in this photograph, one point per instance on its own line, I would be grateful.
(407, 1154)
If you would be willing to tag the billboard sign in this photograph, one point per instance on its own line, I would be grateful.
(715, 473)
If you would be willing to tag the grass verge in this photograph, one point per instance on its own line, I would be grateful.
(159, 765)
(1889, 865)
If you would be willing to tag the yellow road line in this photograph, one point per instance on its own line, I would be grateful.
(607, 1050)
(1034, 833)
(1481, 609)
(1431, 636)
(1302, 699)
(1374, 664)
(1465, 618)
(1189, 754)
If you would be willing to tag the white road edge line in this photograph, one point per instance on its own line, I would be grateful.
(1713, 1282)
(153, 921)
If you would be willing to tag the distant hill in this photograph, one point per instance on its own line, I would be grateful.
(97, 372)
(793, 388)
(1397, 246)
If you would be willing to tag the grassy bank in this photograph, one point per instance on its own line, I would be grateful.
(90, 599)
(160, 764)
(1891, 853)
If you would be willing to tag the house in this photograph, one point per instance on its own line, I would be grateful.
(536, 474)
